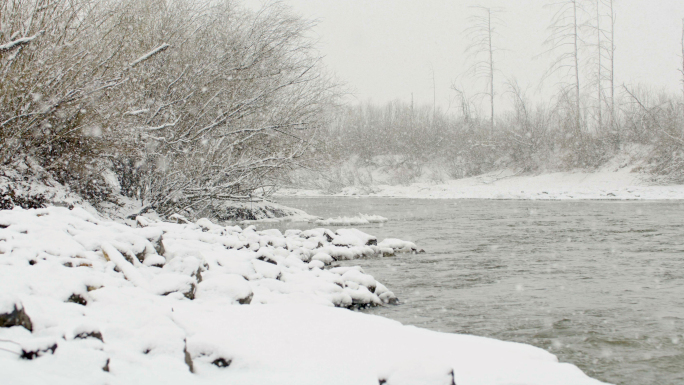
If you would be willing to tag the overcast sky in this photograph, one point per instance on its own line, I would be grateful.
(388, 49)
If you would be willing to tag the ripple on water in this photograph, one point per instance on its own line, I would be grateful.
(599, 284)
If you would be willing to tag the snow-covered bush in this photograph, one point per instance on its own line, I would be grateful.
(190, 103)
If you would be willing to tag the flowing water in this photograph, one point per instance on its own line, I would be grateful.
(599, 284)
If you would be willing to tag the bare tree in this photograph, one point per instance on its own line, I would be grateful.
(481, 50)
(611, 59)
(599, 67)
(465, 103)
(434, 93)
(565, 37)
(603, 27)
(682, 70)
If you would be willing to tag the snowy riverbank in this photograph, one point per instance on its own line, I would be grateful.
(85, 300)
(608, 184)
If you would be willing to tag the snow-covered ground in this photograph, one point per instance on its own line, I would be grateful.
(607, 183)
(84, 300)
(620, 178)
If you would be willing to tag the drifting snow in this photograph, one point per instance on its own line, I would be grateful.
(88, 301)
(361, 219)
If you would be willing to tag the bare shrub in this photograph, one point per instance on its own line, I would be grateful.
(189, 102)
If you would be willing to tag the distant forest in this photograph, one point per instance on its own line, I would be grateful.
(589, 120)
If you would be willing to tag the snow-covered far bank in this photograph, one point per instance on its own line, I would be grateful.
(607, 184)
(85, 300)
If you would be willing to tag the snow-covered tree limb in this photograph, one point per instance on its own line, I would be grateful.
(19, 42)
(148, 55)
(136, 112)
(162, 126)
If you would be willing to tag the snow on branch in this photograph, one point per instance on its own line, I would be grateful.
(19, 42)
(163, 126)
(148, 55)
(136, 112)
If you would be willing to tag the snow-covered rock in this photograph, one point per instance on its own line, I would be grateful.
(398, 245)
(84, 249)
(99, 313)
(353, 237)
(361, 219)
(326, 259)
(12, 313)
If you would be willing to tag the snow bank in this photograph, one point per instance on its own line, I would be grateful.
(605, 184)
(623, 177)
(361, 219)
(89, 301)
(23, 183)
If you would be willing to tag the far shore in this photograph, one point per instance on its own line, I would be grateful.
(621, 184)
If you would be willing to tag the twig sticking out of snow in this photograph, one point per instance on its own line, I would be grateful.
(19, 42)
(148, 55)
(10, 351)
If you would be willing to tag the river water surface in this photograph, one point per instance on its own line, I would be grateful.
(598, 283)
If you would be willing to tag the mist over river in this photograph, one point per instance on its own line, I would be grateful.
(598, 283)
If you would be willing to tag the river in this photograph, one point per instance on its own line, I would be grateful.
(598, 283)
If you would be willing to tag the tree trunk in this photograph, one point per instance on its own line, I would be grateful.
(491, 70)
(576, 57)
(600, 79)
(612, 68)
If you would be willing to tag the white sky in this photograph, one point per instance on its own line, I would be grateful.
(387, 49)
